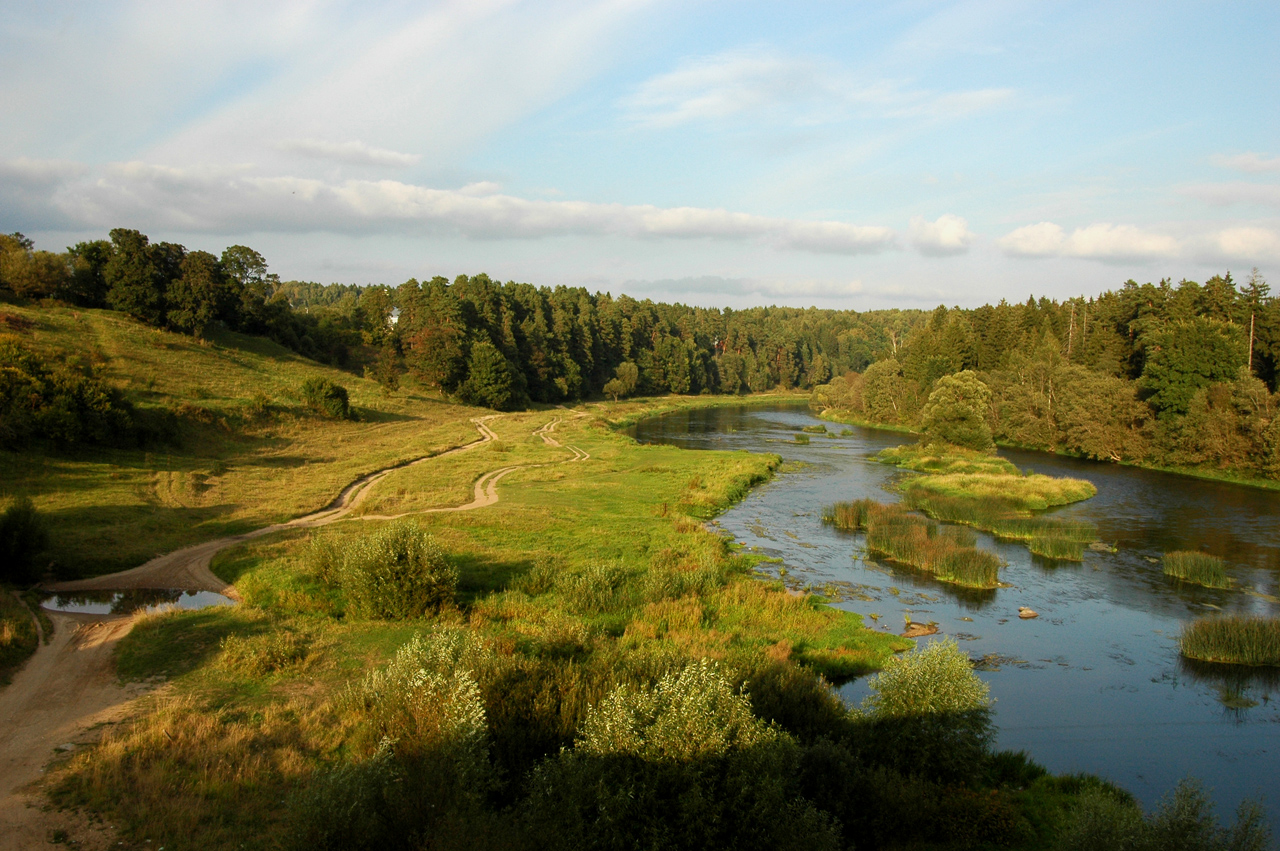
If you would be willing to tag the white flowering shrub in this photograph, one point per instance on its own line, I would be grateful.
(935, 679)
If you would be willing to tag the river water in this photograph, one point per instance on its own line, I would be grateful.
(1095, 683)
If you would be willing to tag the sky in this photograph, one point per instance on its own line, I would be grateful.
(846, 155)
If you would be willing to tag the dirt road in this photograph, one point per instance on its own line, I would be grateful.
(68, 688)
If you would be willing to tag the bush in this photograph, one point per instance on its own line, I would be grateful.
(681, 764)
(326, 398)
(398, 572)
(22, 539)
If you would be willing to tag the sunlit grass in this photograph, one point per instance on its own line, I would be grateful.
(1200, 568)
(1235, 639)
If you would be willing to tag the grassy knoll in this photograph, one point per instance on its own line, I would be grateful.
(1199, 568)
(246, 453)
(1233, 639)
(989, 493)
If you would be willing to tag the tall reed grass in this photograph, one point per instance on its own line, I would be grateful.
(1235, 639)
(1004, 518)
(1200, 568)
(948, 552)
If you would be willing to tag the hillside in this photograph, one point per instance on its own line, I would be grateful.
(247, 451)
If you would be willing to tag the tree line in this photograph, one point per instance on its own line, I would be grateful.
(1176, 374)
(1166, 374)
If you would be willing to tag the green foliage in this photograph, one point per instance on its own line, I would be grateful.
(18, 639)
(327, 398)
(682, 764)
(1187, 356)
(1100, 820)
(490, 379)
(957, 412)
(394, 573)
(57, 404)
(936, 679)
(947, 552)
(1200, 568)
(624, 382)
(1234, 639)
(802, 439)
(23, 537)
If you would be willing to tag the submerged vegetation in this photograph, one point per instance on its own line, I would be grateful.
(1234, 639)
(1200, 568)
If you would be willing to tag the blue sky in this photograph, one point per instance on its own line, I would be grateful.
(855, 155)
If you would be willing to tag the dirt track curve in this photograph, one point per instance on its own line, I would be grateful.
(69, 687)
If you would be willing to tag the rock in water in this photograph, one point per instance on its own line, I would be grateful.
(1026, 613)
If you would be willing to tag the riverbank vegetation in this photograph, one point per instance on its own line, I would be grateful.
(947, 552)
(1233, 639)
(1200, 568)
(965, 486)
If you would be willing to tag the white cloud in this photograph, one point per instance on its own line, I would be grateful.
(1247, 243)
(1095, 242)
(352, 153)
(742, 82)
(1249, 161)
(947, 236)
(234, 200)
(1236, 192)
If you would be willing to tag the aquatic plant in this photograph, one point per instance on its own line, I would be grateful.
(1234, 639)
(1200, 568)
(848, 516)
(948, 552)
(815, 429)
(1050, 544)
(802, 438)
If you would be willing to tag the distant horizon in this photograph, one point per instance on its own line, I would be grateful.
(886, 156)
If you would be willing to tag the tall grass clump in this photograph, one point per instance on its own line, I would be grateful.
(1234, 639)
(598, 588)
(395, 573)
(948, 552)
(1200, 568)
(802, 438)
(1052, 545)
(849, 516)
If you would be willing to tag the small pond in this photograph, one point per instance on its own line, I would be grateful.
(128, 602)
(1096, 683)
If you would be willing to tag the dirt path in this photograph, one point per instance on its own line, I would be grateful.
(68, 688)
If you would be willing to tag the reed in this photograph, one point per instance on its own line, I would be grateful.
(802, 438)
(1053, 545)
(1233, 639)
(815, 429)
(848, 516)
(948, 552)
(1200, 568)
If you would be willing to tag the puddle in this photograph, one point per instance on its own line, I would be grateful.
(128, 602)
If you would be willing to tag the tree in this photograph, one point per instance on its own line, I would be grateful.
(957, 412)
(624, 381)
(435, 355)
(888, 395)
(200, 296)
(489, 378)
(88, 287)
(135, 284)
(1101, 417)
(1185, 356)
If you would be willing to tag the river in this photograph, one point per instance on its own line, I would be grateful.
(1094, 684)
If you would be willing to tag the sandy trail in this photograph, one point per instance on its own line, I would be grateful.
(69, 687)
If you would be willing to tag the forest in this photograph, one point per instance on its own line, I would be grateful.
(1168, 374)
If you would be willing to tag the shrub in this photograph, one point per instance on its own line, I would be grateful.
(600, 587)
(397, 572)
(1200, 568)
(22, 539)
(326, 398)
(933, 680)
(680, 764)
(261, 654)
(1235, 639)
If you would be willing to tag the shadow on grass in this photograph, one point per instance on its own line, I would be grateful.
(172, 644)
(481, 575)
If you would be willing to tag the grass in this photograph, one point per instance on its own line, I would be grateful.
(1233, 639)
(948, 552)
(1199, 568)
(990, 493)
(18, 637)
(584, 575)
(249, 453)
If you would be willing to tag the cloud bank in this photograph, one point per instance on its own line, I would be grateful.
(1111, 243)
(947, 236)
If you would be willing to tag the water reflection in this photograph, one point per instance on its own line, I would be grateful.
(1095, 683)
(128, 602)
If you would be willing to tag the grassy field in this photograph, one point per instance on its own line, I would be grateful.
(583, 575)
(249, 453)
